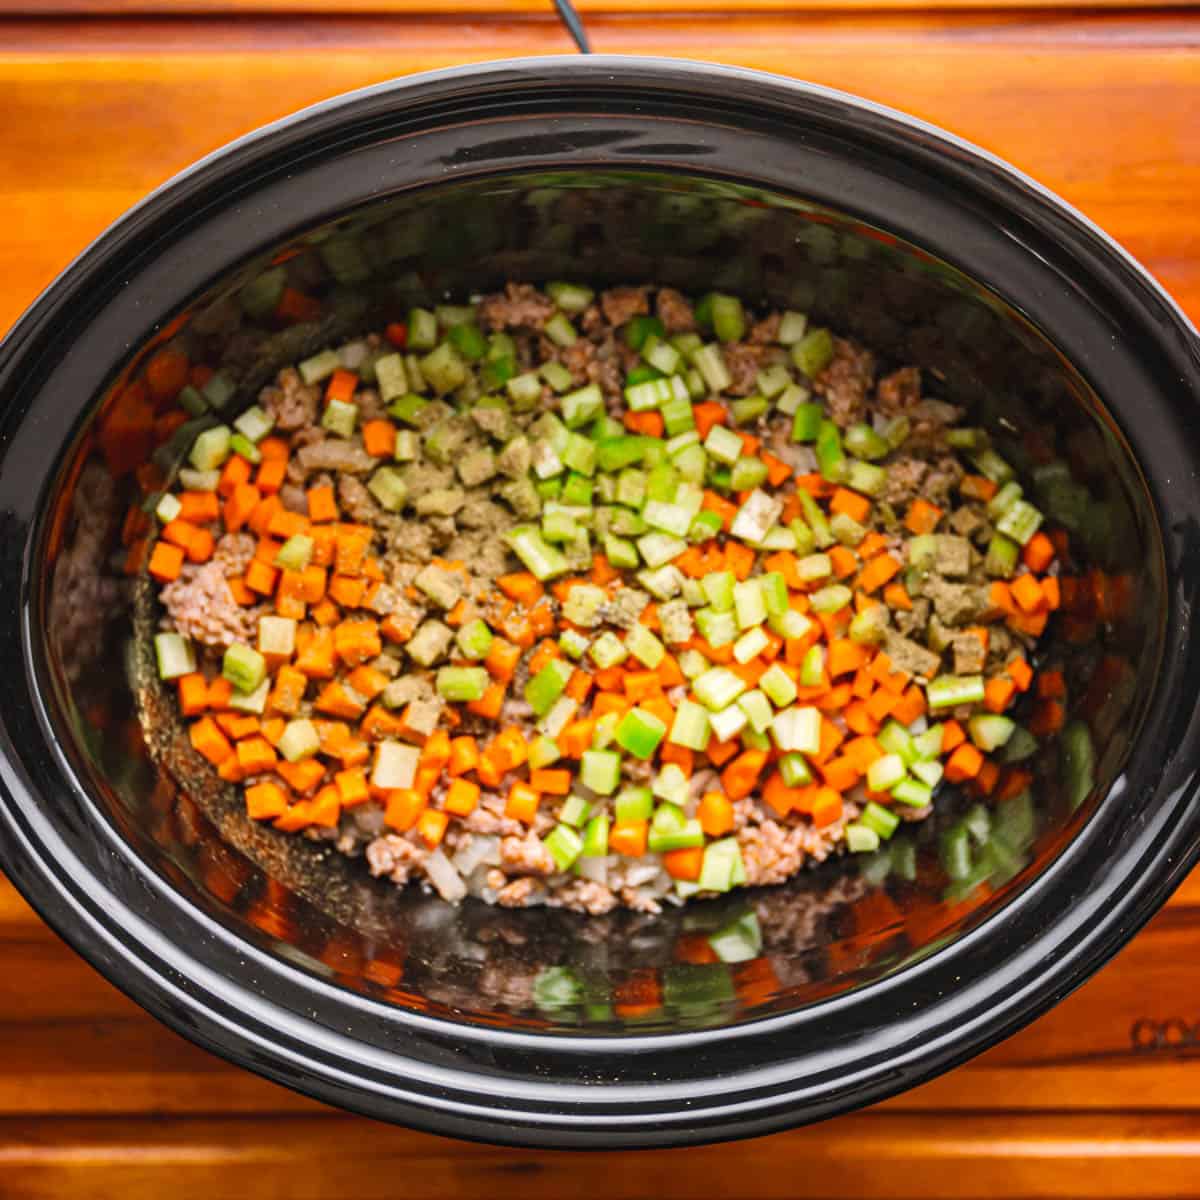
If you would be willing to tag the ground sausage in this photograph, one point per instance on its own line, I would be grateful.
(674, 311)
(622, 303)
(845, 381)
(519, 306)
(292, 403)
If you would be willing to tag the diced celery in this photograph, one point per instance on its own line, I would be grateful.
(276, 636)
(663, 583)
(875, 816)
(600, 771)
(595, 837)
(723, 444)
(728, 723)
(254, 423)
(710, 362)
(832, 598)
(241, 444)
(461, 684)
(797, 728)
(790, 624)
(884, 773)
(657, 549)
(644, 646)
(244, 667)
(866, 478)
(640, 732)
(757, 708)
(990, 731)
(167, 508)
(175, 655)
(792, 327)
(687, 836)
(474, 639)
(340, 418)
(540, 558)
(690, 727)
(795, 770)
(816, 520)
(261, 295)
(747, 409)
(407, 408)
(542, 752)
(560, 330)
(299, 740)
(391, 377)
(895, 739)
(778, 685)
(806, 422)
(860, 839)
(991, 465)
(718, 687)
(948, 691)
(564, 845)
(717, 628)
(912, 793)
(671, 518)
(719, 588)
(846, 529)
(831, 458)
(812, 667)
(863, 442)
(728, 318)
(574, 810)
(251, 702)
(199, 481)
(546, 686)
(633, 804)
(320, 366)
(813, 352)
(211, 448)
(1020, 522)
(608, 650)
(812, 567)
(751, 644)
(747, 473)
(620, 552)
(929, 773)
(748, 603)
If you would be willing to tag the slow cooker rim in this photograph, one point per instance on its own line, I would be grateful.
(223, 161)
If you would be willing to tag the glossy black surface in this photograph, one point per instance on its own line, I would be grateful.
(539, 1027)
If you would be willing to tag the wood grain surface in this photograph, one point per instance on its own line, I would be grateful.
(1100, 1097)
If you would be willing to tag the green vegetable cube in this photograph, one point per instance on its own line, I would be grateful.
(640, 733)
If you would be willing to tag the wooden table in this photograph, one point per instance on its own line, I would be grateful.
(102, 99)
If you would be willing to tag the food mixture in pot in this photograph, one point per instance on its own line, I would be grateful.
(597, 600)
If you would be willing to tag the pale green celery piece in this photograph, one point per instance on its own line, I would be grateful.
(718, 687)
(717, 628)
(671, 784)
(175, 654)
(663, 583)
(389, 489)
(319, 367)
(758, 709)
(752, 643)
(690, 727)
(710, 362)
(644, 646)
(756, 517)
(719, 588)
(797, 729)
(778, 686)
(299, 740)
(728, 723)
(749, 605)
(607, 650)
(391, 377)
(444, 369)
(723, 444)
(295, 553)
(583, 602)
(813, 567)
(340, 418)
(792, 327)
(658, 549)
(572, 643)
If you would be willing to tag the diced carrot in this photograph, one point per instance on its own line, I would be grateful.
(265, 801)
(502, 659)
(708, 414)
(741, 776)
(648, 423)
(235, 473)
(521, 587)
(255, 754)
(1021, 673)
(404, 807)
(739, 559)
(851, 503)
(1051, 589)
(778, 472)
(1000, 600)
(198, 507)
(845, 656)
(1028, 593)
(322, 505)
(1015, 781)
(684, 864)
(220, 692)
(347, 590)
(862, 751)
(878, 571)
(261, 578)
(166, 561)
(326, 614)
(260, 518)
(356, 641)
(922, 516)
(896, 596)
(193, 694)
(881, 704)
(240, 505)
(844, 561)
(871, 545)
(998, 694)
(431, 825)
(335, 701)
(1038, 553)
(271, 474)
(715, 813)
(490, 703)
(910, 706)
(963, 763)
(464, 756)
(462, 796)
(296, 307)
(273, 449)
(836, 698)
(436, 751)
(1051, 685)
(316, 660)
(350, 549)
(179, 533)
(201, 547)
(720, 753)
(341, 387)
(953, 735)
(629, 838)
(858, 719)
(522, 803)
(1033, 624)
(550, 782)
(826, 807)
(841, 773)
(302, 776)
(681, 756)
(985, 781)
(379, 438)
(240, 725)
(285, 524)
(724, 509)
(977, 487)
(352, 787)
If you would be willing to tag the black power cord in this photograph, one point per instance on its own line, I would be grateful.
(570, 18)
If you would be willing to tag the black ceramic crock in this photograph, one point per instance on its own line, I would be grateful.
(542, 1028)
